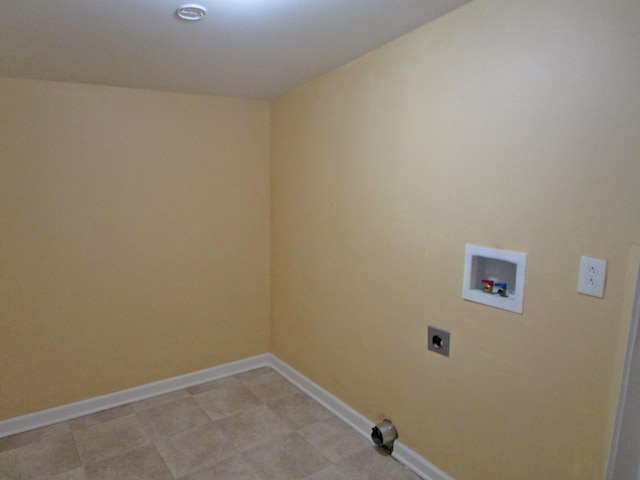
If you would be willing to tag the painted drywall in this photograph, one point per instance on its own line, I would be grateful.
(507, 124)
(135, 238)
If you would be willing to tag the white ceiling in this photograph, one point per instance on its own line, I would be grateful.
(243, 48)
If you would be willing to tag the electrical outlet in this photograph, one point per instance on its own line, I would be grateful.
(592, 277)
(439, 341)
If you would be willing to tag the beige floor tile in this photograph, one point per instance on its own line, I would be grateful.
(160, 400)
(172, 418)
(20, 439)
(400, 472)
(300, 409)
(205, 387)
(287, 458)
(234, 468)
(142, 464)
(329, 473)
(75, 474)
(369, 464)
(335, 439)
(194, 449)
(253, 427)
(269, 386)
(226, 398)
(100, 417)
(40, 460)
(114, 437)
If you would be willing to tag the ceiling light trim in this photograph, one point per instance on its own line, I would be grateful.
(191, 12)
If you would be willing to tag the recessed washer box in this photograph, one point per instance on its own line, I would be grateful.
(485, 267)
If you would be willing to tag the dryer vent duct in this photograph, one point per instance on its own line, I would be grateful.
(384, 434)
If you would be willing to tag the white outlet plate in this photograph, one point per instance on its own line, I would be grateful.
(592, 277)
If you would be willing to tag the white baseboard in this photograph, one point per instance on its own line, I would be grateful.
(416, 463)
(413, 461)
(111, 400)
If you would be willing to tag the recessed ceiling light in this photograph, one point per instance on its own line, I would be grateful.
(191, 12)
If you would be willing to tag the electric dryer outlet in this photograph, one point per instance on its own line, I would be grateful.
(439, 341)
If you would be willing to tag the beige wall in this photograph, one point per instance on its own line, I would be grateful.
(508, 124)
(134, 238)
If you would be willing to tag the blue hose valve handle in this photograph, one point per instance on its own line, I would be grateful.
(502, 289)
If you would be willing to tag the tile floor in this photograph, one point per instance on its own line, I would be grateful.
(252, 426)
